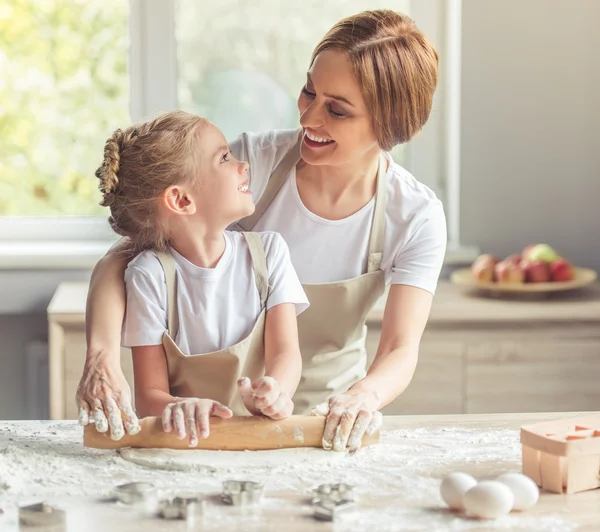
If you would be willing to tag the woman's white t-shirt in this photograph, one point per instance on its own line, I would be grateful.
(335, 250)
(218, 307)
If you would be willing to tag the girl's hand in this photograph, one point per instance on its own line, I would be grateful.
(349, 416)
(104, 398)
(265, 396)
(190, 415)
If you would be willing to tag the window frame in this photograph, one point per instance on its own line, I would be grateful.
(153, 89)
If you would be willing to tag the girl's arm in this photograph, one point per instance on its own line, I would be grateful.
(103, 393)
(151, 380)
(189, 416)
(272, 394)
(283, 361)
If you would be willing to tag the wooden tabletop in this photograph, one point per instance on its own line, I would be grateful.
(397, 481)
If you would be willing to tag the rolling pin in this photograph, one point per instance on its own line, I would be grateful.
(239, 433)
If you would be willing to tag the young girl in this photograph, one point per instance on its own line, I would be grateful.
(211, 314)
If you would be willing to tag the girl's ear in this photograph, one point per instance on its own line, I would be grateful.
(178, 201)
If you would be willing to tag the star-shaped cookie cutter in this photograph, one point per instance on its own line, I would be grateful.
(331, 500)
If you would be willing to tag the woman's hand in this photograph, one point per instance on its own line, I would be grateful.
(349, 416)
(104, 398)
(265, 396)
(192, 414)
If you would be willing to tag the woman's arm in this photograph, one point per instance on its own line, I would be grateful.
(406, 313)
(272, 394)
(405, 316)
(103, 393)
(415, 273)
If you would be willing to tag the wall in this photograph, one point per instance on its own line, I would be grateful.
(530, 155)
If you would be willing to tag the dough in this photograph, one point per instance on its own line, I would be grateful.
(194, 459)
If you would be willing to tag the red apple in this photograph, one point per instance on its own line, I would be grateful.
(561, 270)
(483, 267)
(514, 259)
(536, 271)
(509, 271)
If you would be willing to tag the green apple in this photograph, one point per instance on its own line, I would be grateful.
(541, 252)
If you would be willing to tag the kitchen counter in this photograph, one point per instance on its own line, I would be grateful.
(397, 480)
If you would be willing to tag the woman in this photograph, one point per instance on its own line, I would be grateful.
(354, 222)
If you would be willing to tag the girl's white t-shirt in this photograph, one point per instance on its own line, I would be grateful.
(335, 250)
(218, 307)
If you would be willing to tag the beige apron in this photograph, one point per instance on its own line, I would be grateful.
(215, 375)
(332, 330)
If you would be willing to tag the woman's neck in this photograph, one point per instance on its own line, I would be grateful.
(336, 192)
(203, 247)
(336, 183)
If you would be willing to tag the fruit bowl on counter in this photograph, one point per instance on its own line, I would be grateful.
(538, 269)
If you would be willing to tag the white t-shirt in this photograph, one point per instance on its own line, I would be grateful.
(334, 250)
(218, 307)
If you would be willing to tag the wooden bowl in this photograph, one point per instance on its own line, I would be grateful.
(464, 277)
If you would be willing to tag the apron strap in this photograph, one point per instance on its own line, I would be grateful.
(168, 266)
(274, 184)
(277, 179)
(259, 264)
(378, 225)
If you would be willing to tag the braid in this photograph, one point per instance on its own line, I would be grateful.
(108, 173)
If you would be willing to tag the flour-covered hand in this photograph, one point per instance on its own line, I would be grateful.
(265, 396)
(190, 417)
(349, 416)
(104, 398)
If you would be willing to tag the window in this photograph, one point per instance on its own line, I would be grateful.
(242, 63)
(78, 69)
(64, 85)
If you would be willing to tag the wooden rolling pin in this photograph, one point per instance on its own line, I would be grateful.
(239, 433)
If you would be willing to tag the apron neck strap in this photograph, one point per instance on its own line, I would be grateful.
(378, 224)
(168, 266)
(274, 185)
(259, 264)
(279, 176)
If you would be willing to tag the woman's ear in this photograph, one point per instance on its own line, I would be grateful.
(178, 200)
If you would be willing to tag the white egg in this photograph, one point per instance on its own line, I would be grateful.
(454, 487)
(525, 490)
(490, 499)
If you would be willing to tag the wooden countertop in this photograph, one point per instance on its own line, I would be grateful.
(398, 482)
(453, 305)
(450, 306)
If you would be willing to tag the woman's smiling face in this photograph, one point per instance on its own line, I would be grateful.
(337, 128)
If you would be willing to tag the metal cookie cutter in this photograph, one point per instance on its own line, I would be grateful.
(183, 507)
(134, 492)
(330, 500)
(328, 510)
(42, 514)
(241, 492)
(334, 492)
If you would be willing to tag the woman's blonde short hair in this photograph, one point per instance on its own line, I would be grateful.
(396, 67)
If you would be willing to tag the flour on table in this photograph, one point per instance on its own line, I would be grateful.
(184, 460)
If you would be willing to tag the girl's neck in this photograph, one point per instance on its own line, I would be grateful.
(201, 246)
